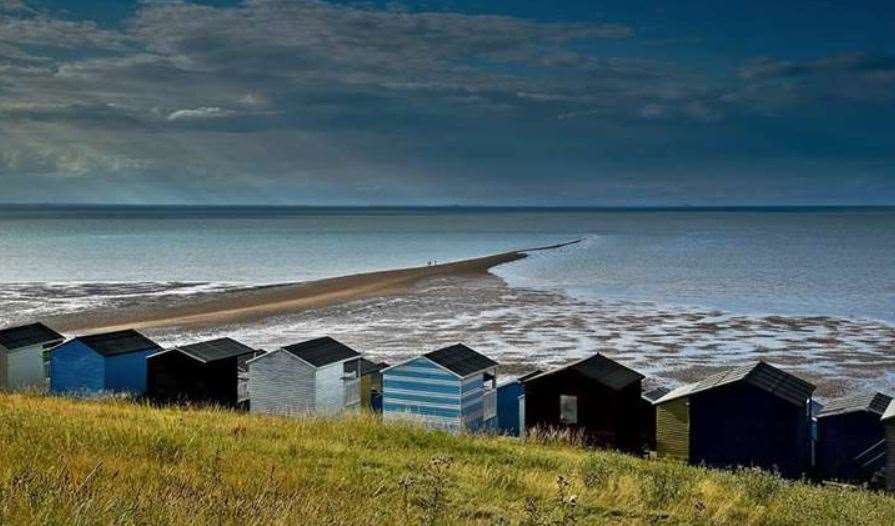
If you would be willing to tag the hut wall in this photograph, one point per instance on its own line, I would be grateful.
(424, 391)
(174, 377)
(280, 383)
(330, 396)
(673, 429)
(843, 437)
(890, 454)
(742, 425)
(605, 417)
(508, 407)
(370, 383)
(472, 391)
(3, 368)
(647, 424)
(25, 368)
(76, 368)
(126, 373)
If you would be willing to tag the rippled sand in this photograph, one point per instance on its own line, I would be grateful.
(525, 329)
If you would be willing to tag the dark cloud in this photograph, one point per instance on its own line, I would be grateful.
(297, 101)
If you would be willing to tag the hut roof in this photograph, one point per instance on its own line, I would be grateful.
(656, 393)
(870, 402)
(890, 411)
(214, 350)
(322, 351)
(366, 366)
(27, 335)
(118, 342)
(600, 369)
(460, 359)
(762, 375)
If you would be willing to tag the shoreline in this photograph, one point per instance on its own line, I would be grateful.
(265, 301)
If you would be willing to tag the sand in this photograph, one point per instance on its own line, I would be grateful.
(257, 303)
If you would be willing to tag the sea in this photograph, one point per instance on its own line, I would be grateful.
(683, 279)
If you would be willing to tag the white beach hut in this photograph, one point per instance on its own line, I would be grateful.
(22, 355)
(316, 376)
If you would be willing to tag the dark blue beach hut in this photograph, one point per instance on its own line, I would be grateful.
(851, 438)
(753, 416)
(109, 362)
(509, 402)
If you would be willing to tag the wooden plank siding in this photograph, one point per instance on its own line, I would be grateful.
(4, 375)
(673, 429)
(25, 368)
(280, 383)
(890, 454)
(422, 390)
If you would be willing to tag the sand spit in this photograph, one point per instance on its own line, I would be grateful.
(252, 304)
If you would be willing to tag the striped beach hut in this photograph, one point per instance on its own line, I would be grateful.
(596, 398)
(22, 355)
(754, 416)
(888, 419)
(851, 438)
(315, 376)
(206, 372)
(108, 362)
(452, 388)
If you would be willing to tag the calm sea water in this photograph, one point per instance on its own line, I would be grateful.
(808, 261)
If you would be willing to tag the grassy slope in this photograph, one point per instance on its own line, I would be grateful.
(67, 462)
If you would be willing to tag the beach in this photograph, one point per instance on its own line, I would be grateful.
(672, 294)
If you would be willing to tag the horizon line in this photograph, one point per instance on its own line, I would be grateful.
(457, 206)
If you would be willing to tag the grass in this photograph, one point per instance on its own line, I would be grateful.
(117, 462)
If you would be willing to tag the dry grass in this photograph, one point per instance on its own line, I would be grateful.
(115, 462)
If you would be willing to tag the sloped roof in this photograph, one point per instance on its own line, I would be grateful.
(214, 350)
(890, 411)
(13, 338)
(762, 375)
(460, 359)
(870, 402)
(600, 369)
(118, 342)
(366, 366)
(322, 351)
(656, 393)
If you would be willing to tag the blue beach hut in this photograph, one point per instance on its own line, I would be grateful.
(510, 400)
(109, 362)
(452, 388)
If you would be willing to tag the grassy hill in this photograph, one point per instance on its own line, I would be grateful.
(115, 462)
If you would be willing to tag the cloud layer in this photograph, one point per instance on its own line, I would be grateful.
(313, 102)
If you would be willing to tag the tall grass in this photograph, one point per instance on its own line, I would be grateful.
(116, 462)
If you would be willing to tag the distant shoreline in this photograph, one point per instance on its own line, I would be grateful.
(438, 208)
(270, 300)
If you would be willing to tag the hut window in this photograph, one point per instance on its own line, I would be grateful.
(568, 409)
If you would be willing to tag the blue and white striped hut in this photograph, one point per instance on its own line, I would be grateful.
(452, 388)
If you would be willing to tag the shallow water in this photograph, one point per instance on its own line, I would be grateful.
(672, 293)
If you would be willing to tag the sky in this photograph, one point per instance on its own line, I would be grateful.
(448, 102)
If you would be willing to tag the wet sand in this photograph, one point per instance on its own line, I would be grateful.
(257, 303)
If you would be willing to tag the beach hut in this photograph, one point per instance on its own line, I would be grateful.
(888, 420)
(510, 405)
(370, 377)
(22, 355)
(754, 415)
(108, 362)
(201, 373)
(851, 438)
(308, 377)
(596, 398)
(452, 388)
